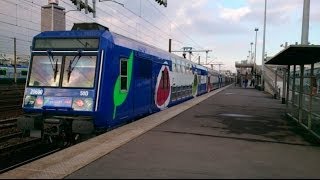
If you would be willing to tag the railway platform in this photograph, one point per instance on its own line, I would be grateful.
(229, 133)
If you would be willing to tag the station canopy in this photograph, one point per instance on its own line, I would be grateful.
(297, 55)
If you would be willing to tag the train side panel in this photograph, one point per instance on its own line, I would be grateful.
(143, 85)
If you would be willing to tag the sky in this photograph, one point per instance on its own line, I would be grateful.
(224, 26)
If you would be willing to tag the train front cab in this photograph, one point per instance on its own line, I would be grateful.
(62, 89)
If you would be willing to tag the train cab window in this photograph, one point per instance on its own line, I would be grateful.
(124, 74)
(62, 71)
(45, 71)
(3, 72)
(79, 71)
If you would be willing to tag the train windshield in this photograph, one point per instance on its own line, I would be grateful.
(44, 72)
(79, 71)
(63, 71)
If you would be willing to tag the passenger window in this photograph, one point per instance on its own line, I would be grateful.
(3, 72)
(24, 73)
(124, 74)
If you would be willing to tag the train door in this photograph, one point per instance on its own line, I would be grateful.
(142, 86)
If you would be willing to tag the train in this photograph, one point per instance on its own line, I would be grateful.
(89, 80)
(7, 74)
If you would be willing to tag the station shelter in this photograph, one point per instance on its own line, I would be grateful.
(302, 84)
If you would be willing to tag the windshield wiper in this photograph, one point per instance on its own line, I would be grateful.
(54, 67)
(70, 67)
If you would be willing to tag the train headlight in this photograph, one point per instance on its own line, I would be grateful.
(82, 104)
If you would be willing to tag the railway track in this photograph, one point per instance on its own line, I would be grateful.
(28, 161)
(7, 123)
(10, 101)
(8, 129)
(17, 150)
(23, 151)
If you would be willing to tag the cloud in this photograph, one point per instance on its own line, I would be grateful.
(278, 12)
(234, 14)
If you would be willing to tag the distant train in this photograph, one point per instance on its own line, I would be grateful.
(7, 74)
(90, 79)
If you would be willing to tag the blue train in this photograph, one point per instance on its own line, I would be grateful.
(90, 79)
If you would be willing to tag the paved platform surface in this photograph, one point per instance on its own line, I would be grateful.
(237, 133)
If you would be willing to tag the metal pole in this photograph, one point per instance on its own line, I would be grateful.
(311, 99)
(170, 40)
(264, 41)
(52, 17)
(301, 93)
(78, 5)
(94, 8)
(86, 6)
(305, 22)
(199, 60)
(275, 82)
(284, 86)
(15, 59)
(206, 57)
(288, 87)
(251, 51)
(255, 50)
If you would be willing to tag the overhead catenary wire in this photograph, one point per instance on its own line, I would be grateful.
(126, 21)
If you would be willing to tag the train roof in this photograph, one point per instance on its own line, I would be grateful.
(124, 41)
(117, 39)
